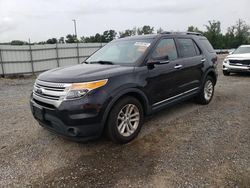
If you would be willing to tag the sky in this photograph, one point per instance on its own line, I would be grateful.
(40, 20)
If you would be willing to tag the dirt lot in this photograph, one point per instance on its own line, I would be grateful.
(188, 145)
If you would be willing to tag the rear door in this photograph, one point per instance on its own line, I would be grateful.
(192, 64)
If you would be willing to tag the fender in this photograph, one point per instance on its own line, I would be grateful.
(208, 71)
(121, 93)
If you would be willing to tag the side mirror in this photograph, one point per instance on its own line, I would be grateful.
(159, 61)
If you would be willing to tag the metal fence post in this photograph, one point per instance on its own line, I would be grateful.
(31, 58)
(57, 56)
(1, 61)
(78, 56)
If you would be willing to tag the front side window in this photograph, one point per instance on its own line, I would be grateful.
(187, 48)
(165, 49)
(121, 52)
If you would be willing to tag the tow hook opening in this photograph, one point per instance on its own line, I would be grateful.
(73, 131)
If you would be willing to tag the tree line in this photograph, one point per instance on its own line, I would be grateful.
(237, 34)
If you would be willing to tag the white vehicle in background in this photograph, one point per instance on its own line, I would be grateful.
(237, 61)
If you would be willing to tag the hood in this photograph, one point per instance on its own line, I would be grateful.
(245, 56)
(83, 73)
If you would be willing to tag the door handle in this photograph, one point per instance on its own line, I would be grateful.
(178, 66)
(203, 60)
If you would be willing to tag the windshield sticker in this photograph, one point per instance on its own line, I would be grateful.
(142, 48)
(143, 44)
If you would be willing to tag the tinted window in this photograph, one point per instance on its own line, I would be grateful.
(187, 48)
(198, 51)
(206, 44)
(166, 47)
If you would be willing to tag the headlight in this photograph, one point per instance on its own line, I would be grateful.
(78, 90)
(225, 60)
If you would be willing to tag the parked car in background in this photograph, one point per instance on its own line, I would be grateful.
(129, 78)
(237, 61)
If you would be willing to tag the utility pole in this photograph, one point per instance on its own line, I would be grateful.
(75, 27)
(31, 58)
(77, 45)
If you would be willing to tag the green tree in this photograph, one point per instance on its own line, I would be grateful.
(92, 39)
(194, 29)
(18, 42)
(229, 38)
(242, 33)
(214, 34)
(42, 42)
(145, 30)
(109, 35)
(61, 40)
(51, 41)
(237, 35)
(71, 39)
(82, 39)
(98, 38)
(127, 33)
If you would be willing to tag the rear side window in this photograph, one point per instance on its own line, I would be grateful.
(166, 47)
(188, 48)
(206, 44)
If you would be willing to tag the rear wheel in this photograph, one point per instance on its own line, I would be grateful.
(125, 120)
(207, 92)
(226, 73)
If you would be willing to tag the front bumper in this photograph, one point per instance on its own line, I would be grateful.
(75, 120)
(234, 68)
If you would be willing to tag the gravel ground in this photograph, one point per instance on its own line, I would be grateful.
(188, 145)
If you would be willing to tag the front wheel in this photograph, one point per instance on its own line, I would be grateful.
(125, 120)
(207, 92)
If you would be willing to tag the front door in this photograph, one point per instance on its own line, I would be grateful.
(164, 79)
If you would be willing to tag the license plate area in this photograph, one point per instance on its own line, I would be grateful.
(38, 113)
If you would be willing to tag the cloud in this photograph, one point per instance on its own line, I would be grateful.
(6, 24)
(102, 7)
(40, 19)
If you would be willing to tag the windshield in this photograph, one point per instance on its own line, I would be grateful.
(242, 50)
(120, 52)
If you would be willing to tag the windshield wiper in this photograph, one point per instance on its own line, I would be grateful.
(101, 62)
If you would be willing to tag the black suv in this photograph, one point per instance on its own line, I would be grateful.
(129, 78)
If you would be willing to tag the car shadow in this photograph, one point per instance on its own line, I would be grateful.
(245, 74)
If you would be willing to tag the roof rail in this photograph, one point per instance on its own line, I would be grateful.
(166, 32)
(182, 33)
(193, 33)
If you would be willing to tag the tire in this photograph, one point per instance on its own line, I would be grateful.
(122, 126)
(207, 92)
(226, 73)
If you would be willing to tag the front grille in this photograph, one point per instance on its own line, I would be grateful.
(48, 96)
(50, 93)
(50, 88)
(239, 62)
(44, 104)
